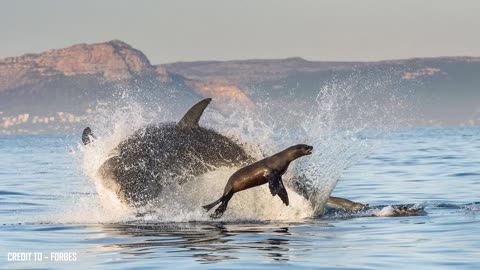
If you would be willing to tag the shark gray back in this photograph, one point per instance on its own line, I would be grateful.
(167, 154)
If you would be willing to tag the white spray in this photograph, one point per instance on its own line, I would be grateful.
(332, 127)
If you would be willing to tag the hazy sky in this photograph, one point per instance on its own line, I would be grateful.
(168, 31)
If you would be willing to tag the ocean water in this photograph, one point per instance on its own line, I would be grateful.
(50, 207)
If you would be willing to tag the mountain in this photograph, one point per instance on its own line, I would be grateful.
(70, 78)
(255, 70)
(56, 90)
(442, 91)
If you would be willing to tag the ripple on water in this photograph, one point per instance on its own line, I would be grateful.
(447, 237)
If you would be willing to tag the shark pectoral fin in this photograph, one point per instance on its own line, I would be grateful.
(191, 118)
(275, 184)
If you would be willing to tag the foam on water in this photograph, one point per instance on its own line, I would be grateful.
(332, 126)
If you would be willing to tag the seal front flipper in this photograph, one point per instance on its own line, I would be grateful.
(275, 183)
(283, 195)
(191, 118)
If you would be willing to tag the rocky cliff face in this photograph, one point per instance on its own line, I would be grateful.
(110, 62)
(114, 60)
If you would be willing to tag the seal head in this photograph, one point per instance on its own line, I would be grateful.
(299, 150)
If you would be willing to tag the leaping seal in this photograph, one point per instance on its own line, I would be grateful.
(268, 170)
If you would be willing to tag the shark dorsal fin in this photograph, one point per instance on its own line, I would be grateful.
(191, 118)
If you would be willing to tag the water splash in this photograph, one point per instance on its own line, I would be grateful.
(181, 203)
(379, 211)
(334, 125)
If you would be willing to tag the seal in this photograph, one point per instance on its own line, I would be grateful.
(268, 170)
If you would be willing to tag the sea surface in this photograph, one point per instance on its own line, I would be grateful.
(43, 190)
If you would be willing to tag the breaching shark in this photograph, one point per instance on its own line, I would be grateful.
(174, 153)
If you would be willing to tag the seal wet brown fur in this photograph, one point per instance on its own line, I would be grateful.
(268, 170)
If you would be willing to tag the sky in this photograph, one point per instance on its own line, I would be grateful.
(171, 31)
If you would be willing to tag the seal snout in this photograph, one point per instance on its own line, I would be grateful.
(308, 149)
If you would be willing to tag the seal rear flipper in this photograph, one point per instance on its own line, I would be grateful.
(210, 206)
(275, 183)
(87, 136)
(191, 118)
(221, 209)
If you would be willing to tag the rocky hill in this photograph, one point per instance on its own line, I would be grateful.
(52, 91)
(71, 77)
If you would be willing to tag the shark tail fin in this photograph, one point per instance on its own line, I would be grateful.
(87, 136)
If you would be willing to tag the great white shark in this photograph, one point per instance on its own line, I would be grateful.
(165, 154)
